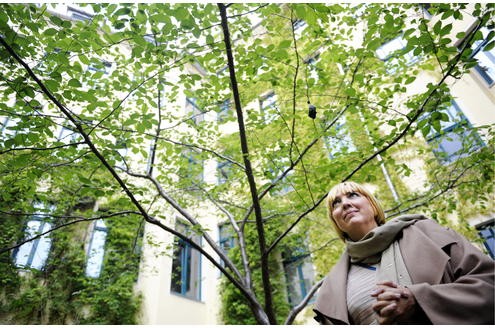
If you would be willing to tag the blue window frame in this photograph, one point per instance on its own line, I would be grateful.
(486, 59)
(224, 170)
(225, 111)
(311, 69)
(78, 14)
(486, 231)
(96, 250)
(299, 273)
(186, 266)
(388, 52)
(67, 134)
(268, 105)
(456, 139)
(299, 26)
(34, 254)
(195, 166)
(8, 127)
(339, 141)
(193, 111)
(226, 239)
(121, 153)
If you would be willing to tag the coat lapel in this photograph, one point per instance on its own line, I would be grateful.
(332, 296)
(422, 252)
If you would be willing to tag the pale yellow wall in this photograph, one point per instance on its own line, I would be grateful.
(160, 305)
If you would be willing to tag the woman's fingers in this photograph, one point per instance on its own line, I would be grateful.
(386, 311)
(389, 295)
(387, 283)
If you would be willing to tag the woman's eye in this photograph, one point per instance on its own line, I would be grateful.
(353, 194)
(336, 202)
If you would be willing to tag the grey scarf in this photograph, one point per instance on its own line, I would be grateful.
(370, 247)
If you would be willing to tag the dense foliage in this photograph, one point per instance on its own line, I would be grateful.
(96, 111)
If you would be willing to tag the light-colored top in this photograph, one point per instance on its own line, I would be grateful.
(361, 282)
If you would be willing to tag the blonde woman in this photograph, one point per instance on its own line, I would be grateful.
(409, 270)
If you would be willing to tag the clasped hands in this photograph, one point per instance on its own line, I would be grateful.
(394, 303)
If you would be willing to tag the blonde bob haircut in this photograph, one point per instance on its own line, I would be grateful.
(347, 187)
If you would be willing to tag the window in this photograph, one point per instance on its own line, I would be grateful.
(193, 165)
(224, 169)
(96, 249)
(78, 14)
(299, 273)
(486, 231)
(387, 53)
(8, 127)
(67, 135)
(193, 111)
(339, 141)
(226, 239)
(186, 266)
(486, 59)
(104, 67)
(225, 111)
(299, 25)
(312, 70)
(268, 105)
(453, 138)
(122, 151)
(284, 185)
(98, 72)
(34, 254)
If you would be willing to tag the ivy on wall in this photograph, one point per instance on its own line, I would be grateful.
(61, 293)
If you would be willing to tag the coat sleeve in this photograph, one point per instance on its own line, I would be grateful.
(466, 293)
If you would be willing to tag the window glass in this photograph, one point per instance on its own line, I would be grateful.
(193, 111)
(96, 250)
(299, 26)
(312, 69)
(7, 127)
(225, 111)
(226, 237)
(386, 53)
(192, 167)
(456, 139)
(34, 253)
(224, 169)
(269, 108)
(299, 273)
(339, 141)
(186, 266)
(486, 59)
(487, 233)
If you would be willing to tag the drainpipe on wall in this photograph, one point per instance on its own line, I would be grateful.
(382, 164)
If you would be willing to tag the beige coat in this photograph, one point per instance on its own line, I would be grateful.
(452, 281)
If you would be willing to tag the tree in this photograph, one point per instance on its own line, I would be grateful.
(275, 158)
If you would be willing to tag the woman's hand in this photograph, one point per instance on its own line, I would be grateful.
(394, 303)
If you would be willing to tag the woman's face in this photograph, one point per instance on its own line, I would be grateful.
(353, 214)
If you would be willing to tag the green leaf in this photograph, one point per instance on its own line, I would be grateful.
(74, 83)
(285, 44)
(446, 29)
(410, 79)
(489, 46)
(50, 32)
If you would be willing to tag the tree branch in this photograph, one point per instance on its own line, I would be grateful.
(267, 288)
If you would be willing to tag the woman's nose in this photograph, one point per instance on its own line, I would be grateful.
(346, 203)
